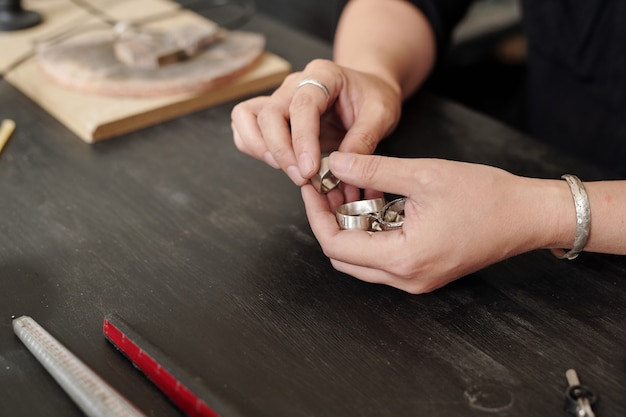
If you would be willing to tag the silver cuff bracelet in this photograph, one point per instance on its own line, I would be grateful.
(583, 218)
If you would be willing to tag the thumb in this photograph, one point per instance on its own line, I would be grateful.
(358, 141)
(366, 132)
(374, 172)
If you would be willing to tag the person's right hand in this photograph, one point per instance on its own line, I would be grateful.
(292, 127)
(458, 218)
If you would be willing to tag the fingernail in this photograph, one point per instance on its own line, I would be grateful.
(294, 173)
(306, 164)
(341, 162)
(269, 159)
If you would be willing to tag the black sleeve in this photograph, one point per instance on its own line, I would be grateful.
(443, 15)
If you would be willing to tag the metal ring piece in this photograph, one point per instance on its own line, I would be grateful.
(316, 83)
(392, 215)
(359, 215)
(324, 181)
(371, 215)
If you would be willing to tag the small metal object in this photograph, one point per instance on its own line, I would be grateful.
(324, 180)
(316, 83)
(391, 216)
(371, 215)
(359, 215)
(578, 398)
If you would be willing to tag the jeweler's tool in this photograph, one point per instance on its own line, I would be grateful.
(184, 390)
(578, 398)
(6, 129)
(90, 392)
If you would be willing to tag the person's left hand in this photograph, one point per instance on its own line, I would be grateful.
(290, 129)
(459, 218)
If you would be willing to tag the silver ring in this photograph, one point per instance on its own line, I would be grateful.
(371, 215)
(359, 215)
(315, 83)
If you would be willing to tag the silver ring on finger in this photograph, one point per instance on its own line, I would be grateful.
(316, 83)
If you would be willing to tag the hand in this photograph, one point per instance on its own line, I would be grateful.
(459, 218)
(290, 128)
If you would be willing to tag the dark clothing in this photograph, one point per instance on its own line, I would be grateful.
(577, 72)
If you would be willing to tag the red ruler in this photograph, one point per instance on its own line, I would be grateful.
(175, 382)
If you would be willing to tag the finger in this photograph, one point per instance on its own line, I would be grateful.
(335, 198)
(413, 286)
(374, 120)
(266, 155)
(319, 212)
(372, 194)
(246, 132)
(310, 101)
(362, 138)
(350, 192)
(391, 175)
(374, 276)
(345, 193)
(273, 121)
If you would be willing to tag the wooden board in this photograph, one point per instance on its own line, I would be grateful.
(95, 117)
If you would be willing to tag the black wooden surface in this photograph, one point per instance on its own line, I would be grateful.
(208, 254)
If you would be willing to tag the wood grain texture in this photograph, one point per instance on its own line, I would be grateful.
(94, 117)
(208, 254)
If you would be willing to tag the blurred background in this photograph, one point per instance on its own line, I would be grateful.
(485, 67)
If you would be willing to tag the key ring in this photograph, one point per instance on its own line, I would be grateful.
(371, 215)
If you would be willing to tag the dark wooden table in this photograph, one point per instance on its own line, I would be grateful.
(208, 254)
